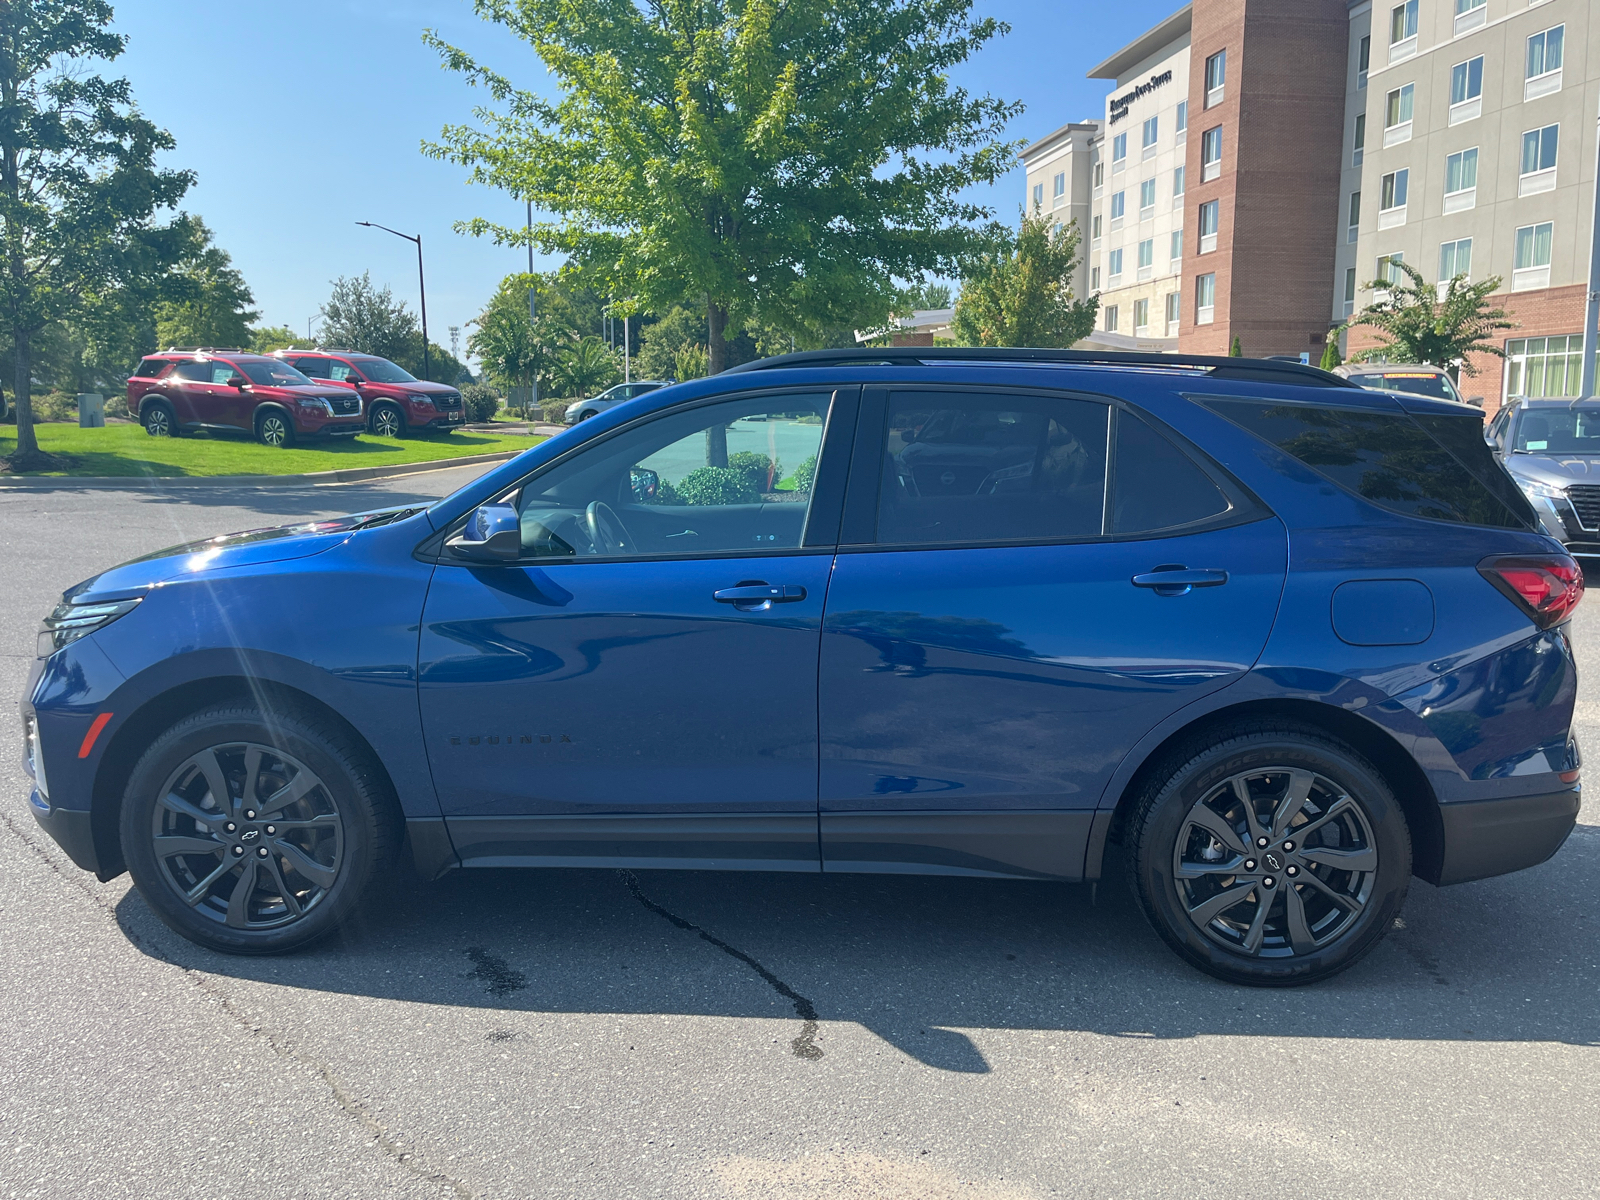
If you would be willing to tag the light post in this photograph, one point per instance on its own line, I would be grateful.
(533, 376)
(1591, 311)
(422, 289)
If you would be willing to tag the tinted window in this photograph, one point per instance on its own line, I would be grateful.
(274, 374)
(200, 372)
(1463, 437)
(1386, 458)
(150, 368)
(1418, 383)
(1157, 486)
(988, 468)
(312, 368)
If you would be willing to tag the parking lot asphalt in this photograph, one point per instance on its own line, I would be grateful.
(732, 1036)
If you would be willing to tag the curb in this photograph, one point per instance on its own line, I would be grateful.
(49, 483)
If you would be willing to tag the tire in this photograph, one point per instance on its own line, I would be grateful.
(586, 414)
(387, 421)
(159, 420)
(307, 862)
(275, 428)
(1192, 844)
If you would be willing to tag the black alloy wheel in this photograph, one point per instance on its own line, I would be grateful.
(387, 421)
(1278, 856)
(254, 836)
(274, 428)
(159, 420)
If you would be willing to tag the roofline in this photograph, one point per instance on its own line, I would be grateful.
(1044, 142)
(1142, 46)
(1253, 369)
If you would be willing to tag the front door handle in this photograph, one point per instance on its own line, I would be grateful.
(1178, 580)
(753, 595)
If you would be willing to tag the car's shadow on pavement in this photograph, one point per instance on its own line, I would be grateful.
(920, 960)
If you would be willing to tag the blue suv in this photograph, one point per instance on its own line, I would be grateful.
(1279, 642)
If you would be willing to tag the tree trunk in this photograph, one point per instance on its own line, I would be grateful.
(716, 342)
(27, 443)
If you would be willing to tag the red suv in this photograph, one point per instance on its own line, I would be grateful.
(397, 401)
(181, 391)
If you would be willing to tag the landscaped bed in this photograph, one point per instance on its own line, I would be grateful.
(126, 450)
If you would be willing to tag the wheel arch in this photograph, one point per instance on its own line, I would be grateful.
(166, 709)
(1405, 777)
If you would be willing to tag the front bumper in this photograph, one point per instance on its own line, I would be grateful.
(1493, 837)
(71, 829)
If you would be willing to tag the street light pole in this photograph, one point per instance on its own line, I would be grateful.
(422, 289)
(1591, 312)
(533, 378)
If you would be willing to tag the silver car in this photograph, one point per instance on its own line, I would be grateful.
(1552, 449)
(1420, 379)
(582, 410)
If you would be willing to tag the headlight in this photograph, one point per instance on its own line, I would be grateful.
(30, 744)
(69, 622)
(1535, 490)
(416, 399)
(321, 406)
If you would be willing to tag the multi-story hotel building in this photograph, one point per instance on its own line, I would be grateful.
(1216, 208)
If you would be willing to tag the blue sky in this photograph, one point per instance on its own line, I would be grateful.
(302, 117)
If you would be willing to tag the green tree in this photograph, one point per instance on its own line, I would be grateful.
(926, 295)
(795, 159)
(1418, 326)
(367, 319)
(78, 180)
(265, 339)
(208, 300)
(1021, 295)
(583, 369)
(690, 362)
(1236, 348)
(513, 351)
(1330, 355)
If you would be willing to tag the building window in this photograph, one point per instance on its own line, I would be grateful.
(1149, 142)
(1094, 279)
(1397, 108)
(1360, 140)
(1216, 74)
(1544, 366)
(1172, 314)
(1205, 298)
(1147, 199)
(1177, 187)
(1461, 180)
(1099, 175)
(1403, 30)
(1111, 318)
(1539, 160)
(1363, 61)
(1147, 257)
(1114, 266)
(1392, 198)
(1210, 219)
(1531, 264)
(1455, 258)
(1119, 202)
(1388, 271)
(1038, 195)
(1211, 154)
(1141, 316)
(1060, 186)
(1466, 90)
(1470, 14)
(1181, 123)
(1349, 290)
(1175, 252)
(1094, 226)
(1544, 52)
(1354, 224)
(1119, 152)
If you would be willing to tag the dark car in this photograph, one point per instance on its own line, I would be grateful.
(1277, 642)
(397, 401)
(180, 392)
(1552, 450)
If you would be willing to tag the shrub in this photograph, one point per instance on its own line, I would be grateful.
(691, 362)
(55, 406)
(1330, 355)
(803, 475)
(479, 402)
(716, 485)
(554, 410)
(760, 472)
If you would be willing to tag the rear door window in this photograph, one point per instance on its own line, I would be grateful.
(197, 372)
(1386, 458)
(1156, 485)
(964, 467)
(314, 368)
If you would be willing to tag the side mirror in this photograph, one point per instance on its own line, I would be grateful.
(644, 484)
(1475, 400)
(239, 382)
(493, 534)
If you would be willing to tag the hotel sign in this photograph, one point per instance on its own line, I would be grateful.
(1119, 104)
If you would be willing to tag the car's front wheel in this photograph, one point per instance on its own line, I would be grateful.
(388, 421)
(253, 833)
(1270, 856)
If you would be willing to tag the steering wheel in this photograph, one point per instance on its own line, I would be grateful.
(607, 533)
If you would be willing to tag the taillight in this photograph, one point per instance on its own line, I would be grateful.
(1545, 586)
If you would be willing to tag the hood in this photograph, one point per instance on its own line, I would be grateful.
(419, 386)
(1559, 470)
(320, 391)
(249, 548)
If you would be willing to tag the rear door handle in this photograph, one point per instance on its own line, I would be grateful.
(1179, 580)
(759, 595)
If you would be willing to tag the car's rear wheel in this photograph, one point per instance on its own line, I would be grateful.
(387, 421)
(274, 428)
(159, 420)
(253, 835)
(1270, 856)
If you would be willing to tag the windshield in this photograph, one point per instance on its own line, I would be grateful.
(1418, 383)
(381, 370)
(1558, 431)
(274, 374)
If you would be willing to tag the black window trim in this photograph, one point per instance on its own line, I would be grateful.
(858, 533)
(838, 430)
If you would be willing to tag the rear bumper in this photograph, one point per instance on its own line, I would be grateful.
(69, 827)
(1492, 837)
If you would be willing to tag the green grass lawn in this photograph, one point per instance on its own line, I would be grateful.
(128, 450)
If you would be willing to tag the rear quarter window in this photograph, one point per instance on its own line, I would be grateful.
(150, 368)
(1390, 459)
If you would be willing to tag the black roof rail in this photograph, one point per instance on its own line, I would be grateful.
(205, 350)
(1257, 370)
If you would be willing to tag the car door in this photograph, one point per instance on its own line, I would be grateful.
(229, 406)
(182, 390)
(1012, 609)
(641, 685)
